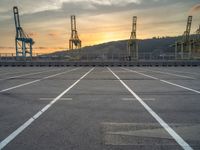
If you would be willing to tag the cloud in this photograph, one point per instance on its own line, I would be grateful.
(29, 6)
(6, 47)
(195, 9)
(48, 21)
(52, 35)
(33, 34)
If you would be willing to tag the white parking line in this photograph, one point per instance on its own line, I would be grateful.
(183, 87)
(117, 71)
(7, 71)
(24, 75)
(177, 85)
(141, 74)
(24, 84)
(13, 72)
(172, 74)
(191, 73)
(50, 99)
(38, 114)
(134, 99)
(174, 135)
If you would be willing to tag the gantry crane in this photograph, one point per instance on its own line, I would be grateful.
(74, 42)
(183, 48)
(23, 43)
(132, 42)
(196, 44)
(198, 33)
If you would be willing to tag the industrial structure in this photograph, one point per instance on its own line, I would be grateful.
(188, 47)
(74, 42)
(196, 44)
(198, 31)
(183, 47)
(23, 43)
(132, 46)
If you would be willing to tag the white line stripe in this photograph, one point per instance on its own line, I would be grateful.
(11, 73)
(14, 87)
(183, 72)
(32, 119)
(50, 99)
(24, 84)
(29, 74)
(183, 87)
(176, 137)
(15, 133)
(172, 74)
(134, 99)
(141, 74)
(117, 71)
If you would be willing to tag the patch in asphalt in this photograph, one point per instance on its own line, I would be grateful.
(148, 134)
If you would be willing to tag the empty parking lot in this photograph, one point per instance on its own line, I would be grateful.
(99, 108)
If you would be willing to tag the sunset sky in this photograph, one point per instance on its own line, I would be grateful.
(98, 21)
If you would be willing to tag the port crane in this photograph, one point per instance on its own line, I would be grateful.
(183, 47)
(74, 42)
(23, 42)
(132, 45)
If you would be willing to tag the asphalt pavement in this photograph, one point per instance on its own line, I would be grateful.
(100, 108)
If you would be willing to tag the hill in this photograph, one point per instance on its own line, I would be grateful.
(154, 45)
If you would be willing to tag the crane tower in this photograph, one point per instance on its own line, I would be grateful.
(198, 32)
(132, 42)
(183, 48)
(23, 43)
(74, 42)
(196, 44)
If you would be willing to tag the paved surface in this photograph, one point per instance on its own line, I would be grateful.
(100, 108)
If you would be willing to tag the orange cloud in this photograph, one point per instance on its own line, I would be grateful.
(33, 34)
(54, 34)
(195, 9)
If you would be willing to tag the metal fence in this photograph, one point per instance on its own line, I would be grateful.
(81, 56)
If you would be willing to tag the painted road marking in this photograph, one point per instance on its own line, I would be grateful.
(141, 74)
(177, 85)
(122, 133)
(191, 73)
(37, 115)
(114, 130)
(50, 99)
(24, 84)
(29, 74)
(134, 99)
(175, 136)
(172, 74)
(13, 72)
(7, 72)
(117, 71)
(183, 87)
